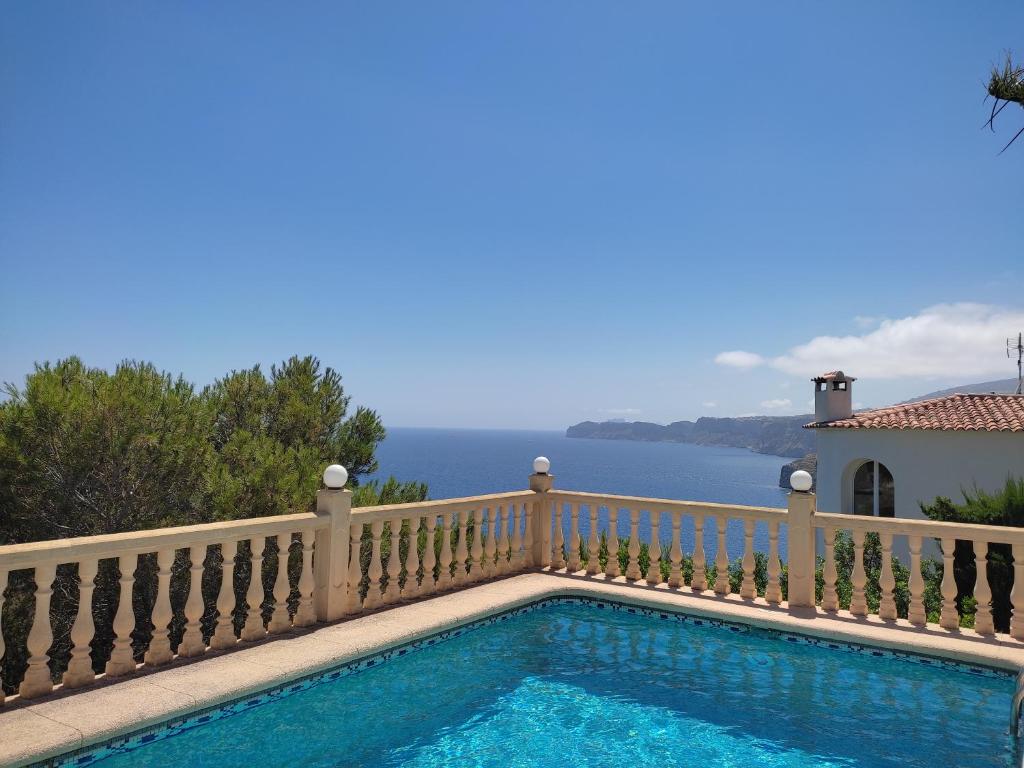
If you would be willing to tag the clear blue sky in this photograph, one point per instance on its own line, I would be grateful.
(514, 214)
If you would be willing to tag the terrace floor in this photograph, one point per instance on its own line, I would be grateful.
(68, 720)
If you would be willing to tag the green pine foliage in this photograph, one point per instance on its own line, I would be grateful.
(84, 451)
(1005, 508)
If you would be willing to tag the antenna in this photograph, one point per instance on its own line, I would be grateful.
(1019, 349)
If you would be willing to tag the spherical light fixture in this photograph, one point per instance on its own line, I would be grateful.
(541, 465)
(801, 480)
(335, 476)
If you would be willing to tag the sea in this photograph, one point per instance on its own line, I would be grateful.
(469, 462)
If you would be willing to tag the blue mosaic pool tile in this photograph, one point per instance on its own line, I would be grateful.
(127, 743)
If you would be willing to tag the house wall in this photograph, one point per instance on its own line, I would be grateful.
(924, 464)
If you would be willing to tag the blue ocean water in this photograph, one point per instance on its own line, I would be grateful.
(578, 685)
(469, 462)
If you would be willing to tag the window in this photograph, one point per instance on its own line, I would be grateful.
(873, 490)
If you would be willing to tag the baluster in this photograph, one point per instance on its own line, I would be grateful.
(79, 671)
(411, 588)
(722, 585)
(594, 542)
(37, 677)
(557, 546)
(574, 537)
(1017, 594)
(858, 579)
(159, 651)
(633, 567)
(280, 621)
(654, 550)
(528, 535)
(518, 555)
(748, 588)
(393, 591)
(305, 615)
(429, 584)
(887, 581)
(3, 588)
(121, 659)
(611, 569)
(675, 577)
(773, 590)
(254, 629)
(192, 641)
(444, 577)
(916, 613)
(948, 616)
(476, 552)
(461, 549)
(224, 631)
(699, 581)
(490, 550)
(374, 591)
(829, 596)
(354, 602)
(982, 591)
(501, 541)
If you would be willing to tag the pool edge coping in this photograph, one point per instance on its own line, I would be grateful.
(89, 713)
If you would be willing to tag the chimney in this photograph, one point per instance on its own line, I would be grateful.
(832, 397)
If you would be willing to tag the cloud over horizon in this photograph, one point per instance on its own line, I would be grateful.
(737, 358)
(960, 340)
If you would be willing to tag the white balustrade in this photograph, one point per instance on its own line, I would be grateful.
(518, 556)
(224, 631)
(748, 588)
(675, 577)
(121, 660)
(722, 586)
(633, 568)
(393, 592)
(654, 551)
(491, 536)
(410, 589)
(593, 544)
(611, 569)
(79, 671)
(574, 537)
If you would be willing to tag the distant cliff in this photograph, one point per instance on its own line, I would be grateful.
(808, 463)
(776, 435)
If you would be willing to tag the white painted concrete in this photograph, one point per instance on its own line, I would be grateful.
(924, 464)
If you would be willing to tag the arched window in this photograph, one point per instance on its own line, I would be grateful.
(873, 492)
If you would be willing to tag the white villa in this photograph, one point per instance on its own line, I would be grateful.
(887, 461)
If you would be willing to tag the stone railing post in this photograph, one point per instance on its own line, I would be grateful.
(801, 541)
(331, 546)
(541, 482)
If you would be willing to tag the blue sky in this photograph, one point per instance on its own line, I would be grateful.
(518, 214)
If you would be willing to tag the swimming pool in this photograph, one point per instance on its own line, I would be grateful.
(572, 682)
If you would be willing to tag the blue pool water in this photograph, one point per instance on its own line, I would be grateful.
(572, 684)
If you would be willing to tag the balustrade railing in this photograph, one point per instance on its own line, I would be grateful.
(986, 553)
(110, 605)
(614, 546)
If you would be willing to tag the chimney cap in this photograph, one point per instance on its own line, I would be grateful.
(832, 376)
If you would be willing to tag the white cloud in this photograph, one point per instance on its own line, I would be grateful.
(782, 402)
(709, 404)
(737, 358)
(863, 321)
(951, 341)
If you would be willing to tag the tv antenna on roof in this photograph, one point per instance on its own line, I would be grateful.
(1019, 349)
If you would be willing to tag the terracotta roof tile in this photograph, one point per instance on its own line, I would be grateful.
(959, 413)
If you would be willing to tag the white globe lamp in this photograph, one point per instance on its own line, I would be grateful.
(541, 465)
(335, 476)
(801, 481)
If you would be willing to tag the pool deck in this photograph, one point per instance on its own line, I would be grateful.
(38, 730)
